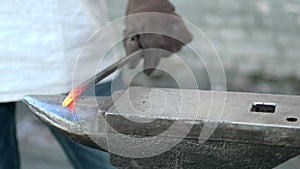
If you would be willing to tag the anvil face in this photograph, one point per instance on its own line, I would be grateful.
(241, 110)
(246, 121)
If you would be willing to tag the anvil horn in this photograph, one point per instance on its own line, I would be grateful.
(74, 125)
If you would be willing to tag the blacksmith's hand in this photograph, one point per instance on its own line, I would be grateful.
(157, 30)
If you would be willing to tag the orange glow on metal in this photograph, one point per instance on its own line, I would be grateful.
(72, 106)
(72, 96)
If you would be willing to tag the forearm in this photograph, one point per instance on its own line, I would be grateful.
(136, 3)
(137, 6)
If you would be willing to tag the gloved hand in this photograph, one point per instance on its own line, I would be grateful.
(136, 36)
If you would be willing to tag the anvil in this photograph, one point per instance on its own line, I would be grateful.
(159, 127)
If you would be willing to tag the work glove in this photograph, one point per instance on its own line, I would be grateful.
(136, 28)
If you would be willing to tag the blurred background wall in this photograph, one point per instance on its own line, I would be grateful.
(258, 41)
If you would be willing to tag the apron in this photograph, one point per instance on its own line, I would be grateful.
(41, 45)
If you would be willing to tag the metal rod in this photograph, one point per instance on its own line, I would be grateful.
(106, 72)
(75, 92)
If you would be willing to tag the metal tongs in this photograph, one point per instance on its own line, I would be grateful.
(75, 92)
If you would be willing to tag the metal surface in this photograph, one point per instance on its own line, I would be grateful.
(49, 110)
(242, 138)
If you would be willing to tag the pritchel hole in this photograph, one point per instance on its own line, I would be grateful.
(291, 119)
(144, 101)
(263, 107)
